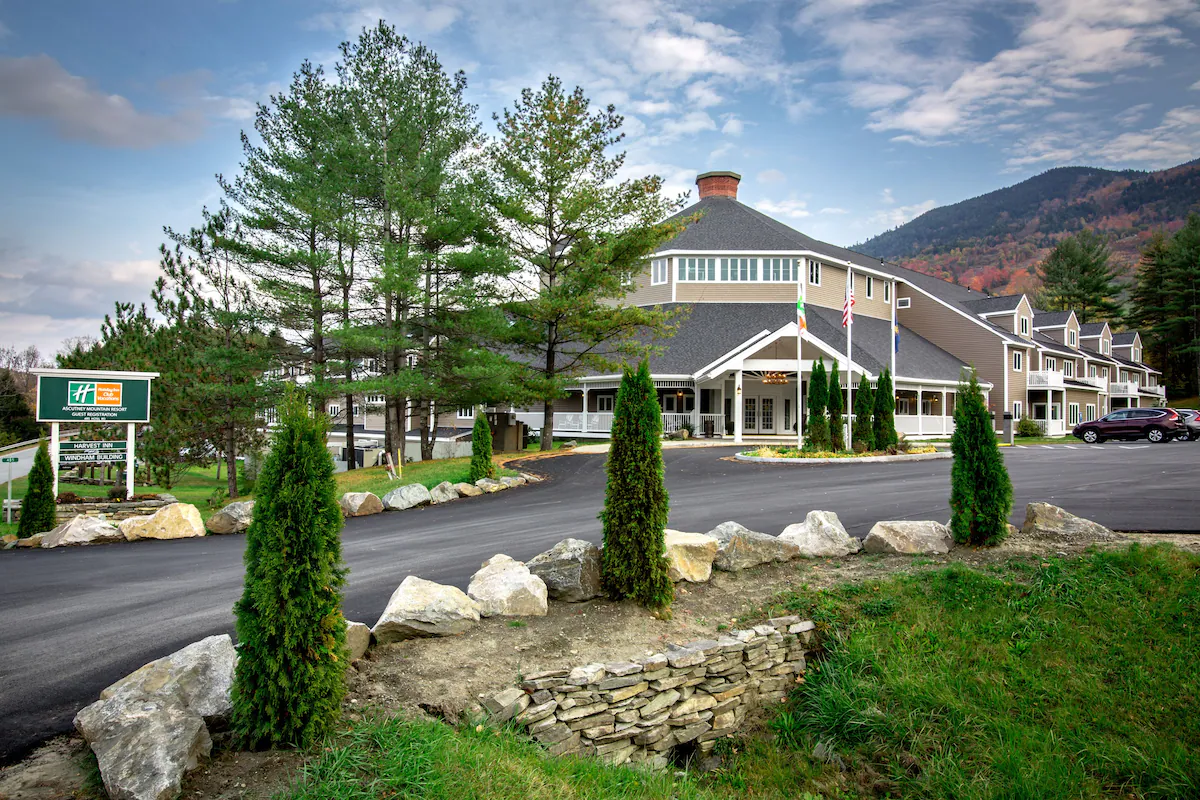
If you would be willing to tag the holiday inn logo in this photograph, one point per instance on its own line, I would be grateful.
(91, 393)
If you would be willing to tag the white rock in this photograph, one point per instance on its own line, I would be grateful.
(81, 530)
(444, 492)
(410, 496)
(570, 570)
(198, 677)
(176, 521)
(741, 548)
(233, 518)
(489, 486)
(360, 504)
(468, 489)
(424, 608)
(909, 538)
(358, 639)
(1044, 521)
(690, 555)
(513, 483)
(821, 535)
(506, 588)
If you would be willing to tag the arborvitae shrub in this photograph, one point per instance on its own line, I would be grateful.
(836, 404)
(864, 403)
(38, 507)
(482, 465)
(816, 429)
(289, 681)
(884, 422)
(980, 490)
(632, 563)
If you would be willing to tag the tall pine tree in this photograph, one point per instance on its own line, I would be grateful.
(981, 492)
(836, 404)
(816, 429)
(884, 422)
(1078, 276)
(633, 562)
(1183, 288)
(39, 505)
(289, 680)
(864, 403)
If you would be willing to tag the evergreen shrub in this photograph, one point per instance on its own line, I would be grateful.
(981, 492)
(39, 505)
(864, 403)
(816, 429)
(482, 465)
(884, 422)
(836, 405)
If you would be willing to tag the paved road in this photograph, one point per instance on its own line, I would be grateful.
(74, 620)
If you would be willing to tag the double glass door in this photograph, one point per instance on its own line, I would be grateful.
(758, 415)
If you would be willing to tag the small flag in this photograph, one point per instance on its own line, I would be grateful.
(801, 320)
(897, 337)
(848, 308)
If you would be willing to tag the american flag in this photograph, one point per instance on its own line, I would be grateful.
(848, 308)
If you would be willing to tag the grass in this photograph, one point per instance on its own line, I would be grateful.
(427, 473)
(1045, 679)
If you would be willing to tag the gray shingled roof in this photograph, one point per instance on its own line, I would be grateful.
(1042, 319)
(1126, 362)
(1124, 337)
(1090, 329)
(996, 304)
(1097, 356)
(1045, 342)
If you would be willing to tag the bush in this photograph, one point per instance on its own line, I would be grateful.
(117, 493)
(836, 403)
(290, 676)
(632, 564)
(816, 429)
(690, 428)
(482, 465)
(38, 508)
(864, 402)
(1028, 427)
(980, 489)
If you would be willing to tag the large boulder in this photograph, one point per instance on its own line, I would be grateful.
(82, 530)
(198, 677)
(360, 504)
(690, 555)
(468, 490)
(570, 570)
(1044, 521)
(740, 548)
(821, 535)
(504, 587)
(513, 482)
(489, 486)
(908, 537)
(444, 492)
(176, 521)
(36, 540)
(358, 639)
(233, 518)
(410, 496)
(424, 608)
(143, 746)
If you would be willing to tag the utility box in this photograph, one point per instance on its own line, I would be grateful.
(506, 432)
(1007, 431)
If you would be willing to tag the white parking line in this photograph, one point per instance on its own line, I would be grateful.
(1070, 447)
(1046, 447)
(1133, 446)
(1021, 446)
(1097, 447)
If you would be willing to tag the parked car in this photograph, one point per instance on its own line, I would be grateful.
(1191, 424)
(1156, 424)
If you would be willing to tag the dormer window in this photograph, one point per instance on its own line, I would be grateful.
(1024, 326)
(1105, 347)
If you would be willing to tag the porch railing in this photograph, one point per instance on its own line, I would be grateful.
(1045, 379)
(599, 421)
(568, 422)
(924, 424)
(1123, 389)
(1091, 380)
(673, 422)
(1160, 391)
(718, 424)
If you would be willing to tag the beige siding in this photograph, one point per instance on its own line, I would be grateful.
(643, 294)
(1023, 310)
(1018, 381)
(958, 335)
(1008, 322)
(832, 291)
(748, 292)
(874, 307)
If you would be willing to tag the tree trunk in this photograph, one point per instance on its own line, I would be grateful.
(351, 461)
(548, 404)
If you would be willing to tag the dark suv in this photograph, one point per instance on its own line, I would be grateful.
(1156, 424)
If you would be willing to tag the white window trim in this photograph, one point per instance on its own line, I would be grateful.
(1069, 368)
(334, 410)
(814, 271)
(1051, 363)
(870, 287)
(903, 302)
(1073, 417)
(660, 271)
(887, 291)
(605, 400)
(1018, 360)
(1072, 338)
(1089, 412)
(1018, 409)
(470, 413)
(1024, 329)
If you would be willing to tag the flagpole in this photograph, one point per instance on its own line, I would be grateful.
(849, 356)
(801, 323)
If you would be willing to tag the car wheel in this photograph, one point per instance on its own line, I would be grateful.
(1157, 436)
(1091, 436)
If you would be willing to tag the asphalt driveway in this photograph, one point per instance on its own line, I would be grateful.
(74, 620)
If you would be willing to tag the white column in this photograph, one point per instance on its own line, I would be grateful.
(130, 461)
(585, 409)
(945, 424)
(54, 455)
(737, 409)
(920, 429)
(696, 409)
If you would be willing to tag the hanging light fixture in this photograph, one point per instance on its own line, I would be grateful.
(775, 378)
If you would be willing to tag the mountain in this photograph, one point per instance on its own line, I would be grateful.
(994, 242)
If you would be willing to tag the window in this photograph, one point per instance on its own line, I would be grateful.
(1051, 363)
(903, 302)
(356, 411)
(1137, 356)
(1104, 373)
(334, 410)
(270, 416)
(1105, 346)
(659, 271)
(1024, 326)
(814, 273)
(870, 287)
(1018, 360)
(374, 399)
(697, 269)
(1072, 338)
(1017, 409)
(739, 269)
(466, 413)
(1073, 414)
(779, 270)
(887, 291)
(1090, 412)
(1069, 369)
(604, 402)
(1092, 371)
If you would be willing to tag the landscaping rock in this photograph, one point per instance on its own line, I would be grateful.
(444, 492)
(741, 548)
(9, 538)
(79, 530)
(1044, 521)
(506, 588)
(468, 489)
(360, 504)
(235, 518)
(198, 678)
(410, 496)
(424, 608)
(489, 486)
(570, 570)
(690, 555)
(33, 541)
(176, 521)
(358, 639)
(513, 483)
(909, 538)
(821, 535)
(143, 746)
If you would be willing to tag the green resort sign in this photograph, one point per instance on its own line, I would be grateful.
(110, 397)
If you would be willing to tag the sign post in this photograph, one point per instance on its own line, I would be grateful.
(10, 460)
(78, 395)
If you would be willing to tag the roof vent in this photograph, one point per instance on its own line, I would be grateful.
(718, 184)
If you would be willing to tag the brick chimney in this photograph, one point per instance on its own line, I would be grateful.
(718, 184)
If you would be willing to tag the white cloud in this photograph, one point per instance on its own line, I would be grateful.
(1195, 86)
(689, 124)
(351, 16)
(702, 95)
(652, 108)
(898, 215)
(1132, 115)
(719, 153)
(733, 127)
(886, 196)
(771, 176)
(832, 210)
(793, 209)
(1174, 140)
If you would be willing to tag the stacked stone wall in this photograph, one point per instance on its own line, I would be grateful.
(641, 711)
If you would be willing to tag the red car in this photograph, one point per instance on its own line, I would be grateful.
(1156, 424)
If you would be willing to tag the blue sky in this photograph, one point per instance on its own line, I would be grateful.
(845, 117)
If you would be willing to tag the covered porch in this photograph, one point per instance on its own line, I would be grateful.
(923, 411)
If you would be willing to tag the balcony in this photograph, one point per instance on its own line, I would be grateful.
(1157, 391)
(1123, 389)
(1045, 379)
(1092, 380)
